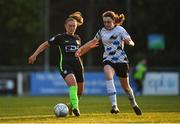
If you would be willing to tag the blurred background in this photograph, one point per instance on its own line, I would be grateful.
(24, 25)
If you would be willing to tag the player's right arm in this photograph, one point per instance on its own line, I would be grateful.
(86, 47)
(53, 41)
(40, 49)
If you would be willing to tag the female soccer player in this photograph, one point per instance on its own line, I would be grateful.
(115, 61)
(70, 66)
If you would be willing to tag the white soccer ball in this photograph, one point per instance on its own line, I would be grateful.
(61, 110)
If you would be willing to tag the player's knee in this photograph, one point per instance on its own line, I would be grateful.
(71, 83)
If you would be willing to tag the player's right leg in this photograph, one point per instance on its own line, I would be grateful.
(111, 90)
(114, 109)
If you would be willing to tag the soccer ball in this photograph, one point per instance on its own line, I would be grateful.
(61, 110)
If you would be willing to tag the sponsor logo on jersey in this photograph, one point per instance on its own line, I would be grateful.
(71, 48)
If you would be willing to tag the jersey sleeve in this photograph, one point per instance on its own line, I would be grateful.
(98, 35)
(55, 40)
(78, 40)
(124, 34)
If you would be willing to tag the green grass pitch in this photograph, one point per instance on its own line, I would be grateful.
(94, 109)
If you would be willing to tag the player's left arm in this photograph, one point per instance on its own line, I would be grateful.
(86, 47)
(129, 41)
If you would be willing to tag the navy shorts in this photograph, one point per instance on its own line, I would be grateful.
(121, 69)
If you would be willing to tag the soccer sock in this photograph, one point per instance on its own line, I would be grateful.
(131, 98)
(111, 90)
(73, 96)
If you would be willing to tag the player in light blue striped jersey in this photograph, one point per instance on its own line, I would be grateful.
(113, 37)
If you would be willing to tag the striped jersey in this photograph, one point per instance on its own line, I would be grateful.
(113, 44)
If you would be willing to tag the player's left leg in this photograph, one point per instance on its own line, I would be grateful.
(128, 90)
(122, 70)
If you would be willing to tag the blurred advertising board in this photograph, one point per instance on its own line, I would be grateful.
(7, 87)
(45, 83)
(51, 83)
(156, 42)
(161, 83)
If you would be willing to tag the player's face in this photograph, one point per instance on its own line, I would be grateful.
(108, 23)
(71, 26)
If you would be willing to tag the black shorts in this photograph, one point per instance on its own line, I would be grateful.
(121, 69)
(75, 67)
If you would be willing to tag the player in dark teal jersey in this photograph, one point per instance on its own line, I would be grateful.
(70, 66)
(68, 63)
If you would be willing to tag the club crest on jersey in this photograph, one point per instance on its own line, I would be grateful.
(65, 72)
(53, 38)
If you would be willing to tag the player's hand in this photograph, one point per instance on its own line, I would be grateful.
(78, 53)
(32, 59)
